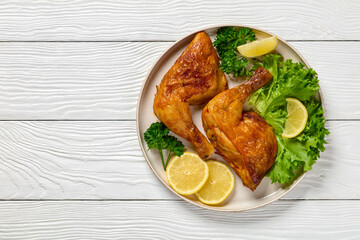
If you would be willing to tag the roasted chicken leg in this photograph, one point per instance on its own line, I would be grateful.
(245, 140)
(194, 79)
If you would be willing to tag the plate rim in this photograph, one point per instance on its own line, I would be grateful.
(184, 36)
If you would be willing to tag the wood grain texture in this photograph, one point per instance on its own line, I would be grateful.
(168, 20)
(102, 80)
(64, 160)
(52, 77)
(73, 80)
(178, 220)
(102, 160)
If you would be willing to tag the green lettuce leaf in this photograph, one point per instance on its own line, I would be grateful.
(291, 80)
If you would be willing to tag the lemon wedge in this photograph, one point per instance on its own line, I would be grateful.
(259, 47)
(296, 118)
(218, 186)
(187, 174)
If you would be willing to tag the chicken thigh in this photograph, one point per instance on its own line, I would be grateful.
(244, 139)
(194, 79)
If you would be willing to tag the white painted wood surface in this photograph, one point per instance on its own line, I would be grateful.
(178, 220)
(86, 60)
(144, 20)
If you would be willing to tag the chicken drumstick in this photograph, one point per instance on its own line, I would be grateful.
(194, 79)
(245, 140)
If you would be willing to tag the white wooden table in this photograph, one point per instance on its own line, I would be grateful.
(70, 164)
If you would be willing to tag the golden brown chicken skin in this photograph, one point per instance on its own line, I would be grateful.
(194, 79)
(244, 139)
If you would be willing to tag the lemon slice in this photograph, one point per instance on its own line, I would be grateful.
(259, 47)
(296, 118)
(219, 184)
(187, 174)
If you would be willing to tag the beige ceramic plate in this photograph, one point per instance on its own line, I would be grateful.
(241, 198)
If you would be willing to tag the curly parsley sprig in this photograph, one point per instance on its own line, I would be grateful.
(226, 42)
(157, 136)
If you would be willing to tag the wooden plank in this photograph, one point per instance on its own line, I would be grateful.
(102, 160)
(178, 220)
(64, 160)
(73, 80)
(168, 20)
(102, 80)
(74, 160)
